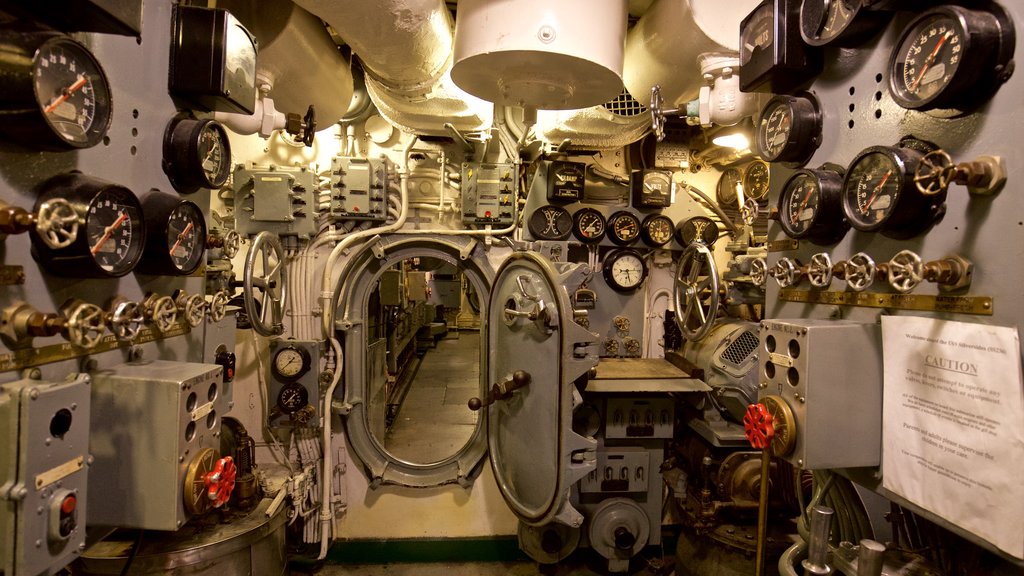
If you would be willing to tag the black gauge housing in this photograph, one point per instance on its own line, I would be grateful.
(197, 154)
(290, 363)
(789, 129)
(697, 229)
(623, 228)
(651, 188)
(624, 270)
(756, 180)
(550, 223)
(588, 225)
(176, 240)
(773, 57)
(292, 398)
(566, 181)
(811, 206)
(656, 230)
(838, 22)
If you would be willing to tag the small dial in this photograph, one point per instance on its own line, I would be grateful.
(197, 154)
(726, 190)
(657, 230)
(290, 363)
(789, 129)
(566, 181)
(756, 180)
(292, 398)
(623, 228)
(588, 225)
(550, 223)
(72, 92)
(772, 56)
(810, 206)
(697, 229)
(624, 270)
(879, 193)
(176, 244)
(951, 56)
(651, 188)
(825, 21)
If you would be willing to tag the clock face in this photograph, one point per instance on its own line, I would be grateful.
(624, 270)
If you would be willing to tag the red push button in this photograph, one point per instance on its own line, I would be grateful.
(69, 504)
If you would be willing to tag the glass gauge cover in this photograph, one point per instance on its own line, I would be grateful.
(657, 230)
(112, 234)
(789, 129)
(697, 229)
(651, 188)
(773, 57)
(726, 189)
(810, 206)
(951, 57)
(292, 398)
(756, 180)
(176, 243)
(879, 194)
(826, 21)
(290, 363)
(197, 154)
(624, 270)
(623, 228)
(550, 223)
(566, 181)
(588, 225)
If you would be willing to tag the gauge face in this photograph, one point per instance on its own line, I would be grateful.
(756, 180)
(186, 237)
(197, 154)
(698, 229)
(623, 228)
(789, 129)
(773, 58)
(799, 204)
(872, 189)
(949, 56)
(290, 363)
(566, 181)
(588, 225)
(72, 92)
(811, 206)
(214, 154)
(727, 183)
(292, 398)
(822, 21)
(657, 230)
(624, 270)
(651, 189)
(115, 231)
(550, 223)
(774, 130)
(757, 33)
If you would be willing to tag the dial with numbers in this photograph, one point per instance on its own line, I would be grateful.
(624, 270)
(810, 206)
(588, 225)
(623, 228)
(656, 230)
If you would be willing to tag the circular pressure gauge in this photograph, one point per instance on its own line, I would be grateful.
(588, 225)
(623, 228)
(56, 95)
(951, 56)
(811, 206)
(550, 223)
(656, 230)
(726, 189)
(826, 21)
(290, 363)
(756, 180)
(112, 234)
(879, 194)
(789, 129)
(697, 229)
(176, 243)
(624, 270)
(292, 398)
(197, 154)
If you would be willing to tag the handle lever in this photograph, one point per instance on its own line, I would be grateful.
(502, 390)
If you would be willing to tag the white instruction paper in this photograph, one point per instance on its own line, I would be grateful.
(953, 424)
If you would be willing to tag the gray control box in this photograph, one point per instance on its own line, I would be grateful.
(359, 188)
(275, 199)
(829, 373)
(489, 193)
(43, 478)
(151, 421)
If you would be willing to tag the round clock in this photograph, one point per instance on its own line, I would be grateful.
(550, 223)
(624, 270)
(588, 225)
(290, 363)
(789, 129)
(623, 228)
(197, 154)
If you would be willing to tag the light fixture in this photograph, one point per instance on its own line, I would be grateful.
(737, 137)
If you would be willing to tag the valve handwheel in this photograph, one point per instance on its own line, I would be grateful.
(220, 481)
(57, 223)
(905, 271)
(696, 291)
(263, 284)
(860, 271)
(819, 271)
(934, 173)
(757, 425)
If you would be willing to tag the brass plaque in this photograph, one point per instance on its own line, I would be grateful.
(11, 275)
(930, 303)
(786, 245)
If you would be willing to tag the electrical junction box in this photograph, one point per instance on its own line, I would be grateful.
(151, 422)
(829, 373)
(359, 189)
(392, 291)
(489, 193)
(639, 418)
(275, 199)
(626, 469)
(43, 474)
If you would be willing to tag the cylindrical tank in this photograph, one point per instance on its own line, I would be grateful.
(658, 51)
(297, 56)
(540, 54)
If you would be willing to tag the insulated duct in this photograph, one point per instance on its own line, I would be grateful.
(614, 124)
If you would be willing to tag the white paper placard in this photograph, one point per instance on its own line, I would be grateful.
(953, 424)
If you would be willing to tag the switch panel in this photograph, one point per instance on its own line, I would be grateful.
(150, 422)
(275, 199)
(489, 193)
(43, 478)
(639, 418)
(359, 189)
(829, 372)
(619, 470)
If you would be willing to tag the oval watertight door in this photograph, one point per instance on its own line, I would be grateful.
(536, 352)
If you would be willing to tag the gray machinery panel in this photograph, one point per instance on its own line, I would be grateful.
(639, 418)
(275, 199)
(151, 420)
(359, 188)
(489, 193)
(623, 470)
(294, 382)
(830, 375)
(43, 474)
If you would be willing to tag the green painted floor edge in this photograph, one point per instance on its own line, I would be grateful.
(495, 549)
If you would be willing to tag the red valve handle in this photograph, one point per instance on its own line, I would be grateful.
(220, 481)
(757, 424)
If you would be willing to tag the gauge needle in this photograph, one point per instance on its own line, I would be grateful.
(181, 237)
(108, 231)
(928, 61)
(794, 217)
(874, 194)
(65, 94)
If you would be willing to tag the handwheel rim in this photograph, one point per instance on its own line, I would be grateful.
(689, 286)
(266, 250)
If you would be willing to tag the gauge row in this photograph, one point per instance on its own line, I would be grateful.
(566, 182)
(752, 181)
(105, 231)
(588, 225)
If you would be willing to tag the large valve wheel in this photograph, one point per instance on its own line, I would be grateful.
(263, 285)
(696, 291)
